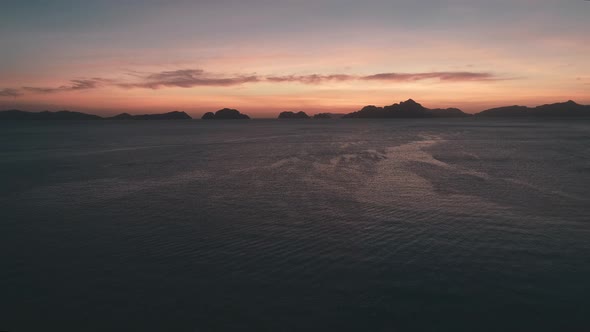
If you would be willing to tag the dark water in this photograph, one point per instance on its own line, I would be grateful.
(403, 225)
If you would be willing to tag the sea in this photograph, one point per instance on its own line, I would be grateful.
(295, 225)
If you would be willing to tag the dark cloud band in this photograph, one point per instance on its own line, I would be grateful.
(189, 78)
(75, 85)
(186, 78)
(10, 92)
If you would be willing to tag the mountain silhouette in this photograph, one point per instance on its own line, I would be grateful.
(46, 115)
(406, 109)
(225, 114)
(208, 116)
(165, 116)
(323, 116)
(293, 115)
(567, 109)
(68, 115)
(122, 116)
(329, 115)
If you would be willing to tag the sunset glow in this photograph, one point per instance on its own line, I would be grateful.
(264, 57)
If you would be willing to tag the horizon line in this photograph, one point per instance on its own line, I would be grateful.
(285, 110)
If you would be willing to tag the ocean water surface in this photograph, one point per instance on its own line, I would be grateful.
(266, 225)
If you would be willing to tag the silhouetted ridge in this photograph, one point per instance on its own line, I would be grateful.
(322, 116)
(225, 114)
(68, 115)
(329, 115)
(293, 115)
(406, 109)
(122, 116)
(46, 115)
(448, 113)
(209, 116)
(165, 116)
(514, 111)
(566, 109)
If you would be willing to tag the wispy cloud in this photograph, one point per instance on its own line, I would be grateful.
(310, 79)
(75, 85)
(442, 76)
(389, 77)
(189, 78)
(9, 92)
(186, 78)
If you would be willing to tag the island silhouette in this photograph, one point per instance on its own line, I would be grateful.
(568, 109)
(68, 115)
(225, 114)
(404, 109)
(46, 115)
(164, 116)
(293, 115)
(323, 116)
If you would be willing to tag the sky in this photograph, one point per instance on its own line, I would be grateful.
(268, 56)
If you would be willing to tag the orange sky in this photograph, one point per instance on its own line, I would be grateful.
(289, 55)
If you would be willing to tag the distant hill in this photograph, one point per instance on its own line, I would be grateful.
(329, 116)
(567, 109)
(46, 115)
(293, 115)
(165, 116)
(68, 115)
(322, 116)
(225, 114)
(407, 109)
